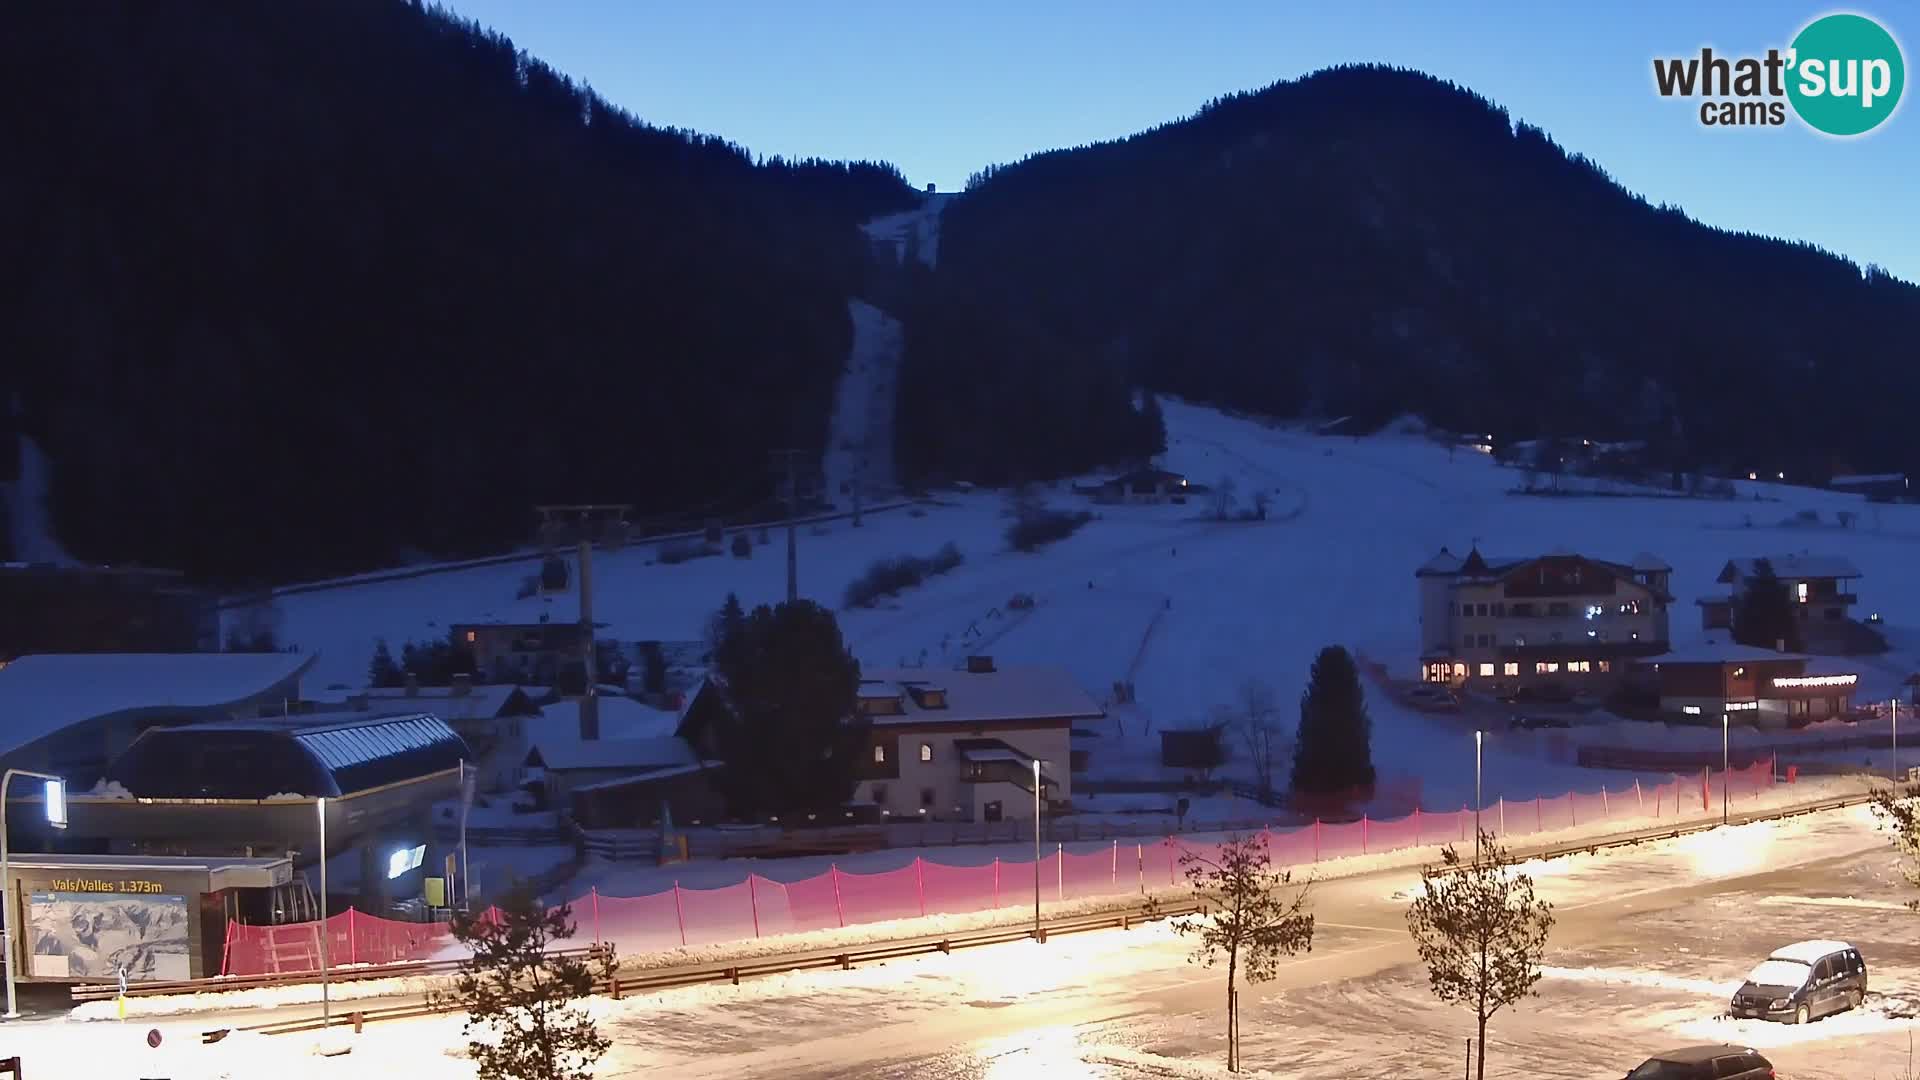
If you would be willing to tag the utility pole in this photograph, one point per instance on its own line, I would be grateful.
(789, 460)
(589, 705)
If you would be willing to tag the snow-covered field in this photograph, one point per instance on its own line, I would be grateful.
(1224, 602)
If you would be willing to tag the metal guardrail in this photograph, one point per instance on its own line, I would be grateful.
(1674, 832)
(219, 984)
(733, 972)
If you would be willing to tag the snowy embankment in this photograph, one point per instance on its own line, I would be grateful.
(1017, 912)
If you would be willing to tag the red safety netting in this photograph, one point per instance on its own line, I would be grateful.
(761, 907)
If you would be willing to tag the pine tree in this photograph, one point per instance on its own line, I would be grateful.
(382, 672)
(1153, 428)
(1334, 745)
(1765, 615)
(788, 734)
(520, 996)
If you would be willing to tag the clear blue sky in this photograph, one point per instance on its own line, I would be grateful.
(943, 89)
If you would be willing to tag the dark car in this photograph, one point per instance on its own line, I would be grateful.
(1802, 982)
(1705, 1063)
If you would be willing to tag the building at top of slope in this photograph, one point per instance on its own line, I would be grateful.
(1562, 619)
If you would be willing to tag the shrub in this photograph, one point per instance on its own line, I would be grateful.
(885, 577)
(1034, 527)
(679, 551)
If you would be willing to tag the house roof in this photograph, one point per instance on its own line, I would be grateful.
(1791, 567)
(1017, 693)
(560, 754)
(620, 718)
(278, 756)
(1648, 563)
(49, 692)
(1717, 653)
(477, 703)
(1478, 568)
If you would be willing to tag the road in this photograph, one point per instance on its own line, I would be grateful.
(1649, 943)
(1670, 897)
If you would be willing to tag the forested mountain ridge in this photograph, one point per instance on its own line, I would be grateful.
(1367, 241)
(298, 288)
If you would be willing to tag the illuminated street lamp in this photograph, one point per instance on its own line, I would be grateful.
(1478, 736)
(326, 950)
(57, 817)
(1723, 768)
(1036, 849)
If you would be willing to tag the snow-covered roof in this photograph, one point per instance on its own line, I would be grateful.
(620, 718)
(1648, 563)
(1716, 653)
(561, 754)
(476, 703)
(1809, 952)
(1867, 479)
(650, 774)
(1793, 567)
(1018, 693)
(1444, 563)
(49, 692)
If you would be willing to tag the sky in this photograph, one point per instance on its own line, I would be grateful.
(943, 90)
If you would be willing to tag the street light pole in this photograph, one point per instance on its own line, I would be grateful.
(1478, 736)
(326, 945)
(1725, 759)
(1036, 849)
(6, 874)
(1894, 711)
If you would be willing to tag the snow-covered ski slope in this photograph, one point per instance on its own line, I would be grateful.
(1188, 608)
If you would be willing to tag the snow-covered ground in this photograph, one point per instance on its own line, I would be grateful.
(1224, 602)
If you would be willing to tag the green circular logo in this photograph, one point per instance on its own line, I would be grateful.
(1845, 74)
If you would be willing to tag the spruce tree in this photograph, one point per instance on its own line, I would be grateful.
(788, 734)
(382, 672)
(1333, 750)
(1765, 615)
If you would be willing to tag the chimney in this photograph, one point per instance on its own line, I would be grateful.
(462, 685)
(413, 685)
(590, 718)
(979, 665)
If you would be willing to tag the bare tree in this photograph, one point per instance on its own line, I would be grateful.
(1898, 813)
(1480, 932)
(1254, 919)
(522, 1020)
(1257, 717)
(1224, 499)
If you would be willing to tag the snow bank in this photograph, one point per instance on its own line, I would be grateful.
(1651, 980)
(1154, 1065)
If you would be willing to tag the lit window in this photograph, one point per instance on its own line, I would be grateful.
(926, 752)
(879, 755)
(1802, 588)
(1606, 666)
(469, 635)
(1459, 671)
(1594, 611)
(1512, 668)
(1544, 667)
(1690, 710)
(1486, 670)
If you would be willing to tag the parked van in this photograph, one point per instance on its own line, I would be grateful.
(1803, 982)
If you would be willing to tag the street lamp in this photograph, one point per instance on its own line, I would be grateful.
(1725, 758)
(1036, 849)
(57, 817)
(1894, 711)
(326, 945)
(1478, 736)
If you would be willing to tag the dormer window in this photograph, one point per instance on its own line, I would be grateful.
(926, 752)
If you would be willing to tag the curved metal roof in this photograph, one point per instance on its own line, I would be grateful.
(291, 756)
